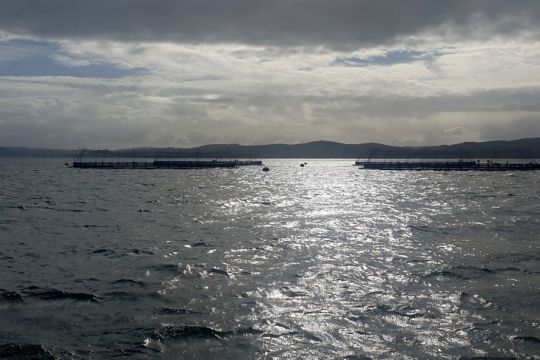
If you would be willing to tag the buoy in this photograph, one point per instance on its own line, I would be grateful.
(301, 165)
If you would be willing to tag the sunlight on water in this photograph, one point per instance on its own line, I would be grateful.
(324, 261)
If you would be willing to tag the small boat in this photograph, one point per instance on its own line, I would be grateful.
(266, 168)
(301, 165)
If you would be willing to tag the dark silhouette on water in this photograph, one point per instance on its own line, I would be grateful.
(460, 165)
(160, 164)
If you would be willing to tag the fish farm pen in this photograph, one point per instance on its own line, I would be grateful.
(164, 164)
(447, 165)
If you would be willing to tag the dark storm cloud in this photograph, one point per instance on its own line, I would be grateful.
(334, 23)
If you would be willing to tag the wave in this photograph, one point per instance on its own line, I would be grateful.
(529, 339)
(103, 251)
(445, 273)
(219, 272)
(200, 243)
(174, 268)
(293, 293)
(53, 208)
(466, 272)
(93, 226)
(487, 358)
(51, 294)
(304, 334)
(190, 332)
(10, 297)
(141, 252)
(174, 332)
(405, 311)
(475, 299)
(129, 296)
(129, 282)
(121, 253)
(121, 295)
(517, 257)
(6, 257)
(25, 351)
(425, 228)
(172, 311)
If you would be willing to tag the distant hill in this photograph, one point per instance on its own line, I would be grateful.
(522, 148)
(12, 151)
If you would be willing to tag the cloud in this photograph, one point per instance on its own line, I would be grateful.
(70, 112)
(335, 24)
(455, 131)
(190, 73)
(40, 58)
(386, 59)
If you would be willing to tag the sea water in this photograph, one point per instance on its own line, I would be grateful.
(323, 261)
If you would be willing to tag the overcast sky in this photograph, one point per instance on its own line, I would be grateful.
(122, 73)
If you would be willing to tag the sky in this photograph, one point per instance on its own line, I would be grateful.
(183, 73)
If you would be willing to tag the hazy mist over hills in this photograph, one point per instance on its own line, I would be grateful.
(521, 148)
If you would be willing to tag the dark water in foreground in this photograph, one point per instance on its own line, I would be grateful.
(326, 261)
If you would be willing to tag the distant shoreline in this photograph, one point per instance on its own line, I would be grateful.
(528, 148)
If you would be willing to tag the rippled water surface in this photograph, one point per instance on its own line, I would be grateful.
(325, 261)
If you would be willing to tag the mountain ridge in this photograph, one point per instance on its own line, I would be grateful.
(519, 148)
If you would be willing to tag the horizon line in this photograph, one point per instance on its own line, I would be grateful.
(269, 144)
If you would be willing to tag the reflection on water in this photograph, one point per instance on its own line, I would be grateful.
(324, 261)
